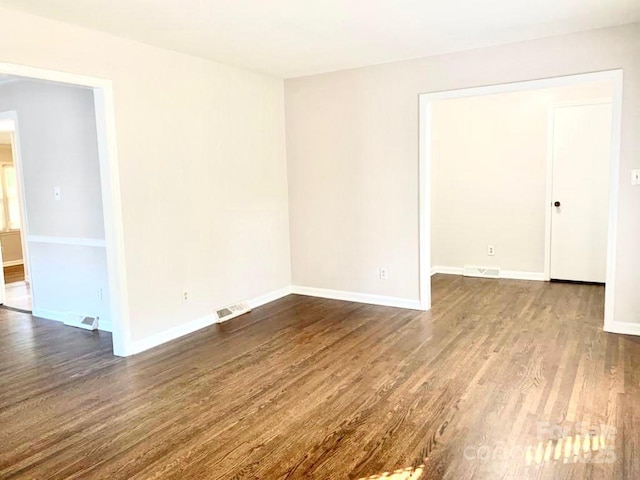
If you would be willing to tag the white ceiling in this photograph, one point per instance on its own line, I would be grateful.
(298, 37)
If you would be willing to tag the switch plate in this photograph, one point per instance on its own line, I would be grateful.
(491, 250)
(384, 274)
(56, 193)
(635, 177)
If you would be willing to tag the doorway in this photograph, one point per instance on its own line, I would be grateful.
(427, 102)
(112, 243)
(13, 250)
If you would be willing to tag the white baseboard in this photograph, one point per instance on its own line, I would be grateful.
(270, 297)
(49, 314)
(172, 333)
(515, 275)
(447, 270)
(105, 326)
(358, 297)
(12, 263)
(625, 328)
(58, 316)
(507, 274)
(199, 323)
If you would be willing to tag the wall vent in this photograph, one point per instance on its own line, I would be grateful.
(81, 321)
(484, 272)
(232, 311)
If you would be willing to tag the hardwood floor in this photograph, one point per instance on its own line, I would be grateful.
(312, 388)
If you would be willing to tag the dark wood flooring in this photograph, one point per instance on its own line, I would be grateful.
(502, 379)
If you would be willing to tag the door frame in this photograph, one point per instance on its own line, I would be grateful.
(110, 190)
(425, 126)
(16, 154)
(549, 182)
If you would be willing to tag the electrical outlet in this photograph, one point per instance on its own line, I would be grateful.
(99, 294)
(635, 177)
(384, 274)
(491, 250)
(185, 296)
(56, 193)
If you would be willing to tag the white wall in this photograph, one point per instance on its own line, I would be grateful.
(352, 144)
(58, 145)
(202, 167)
(489, 175)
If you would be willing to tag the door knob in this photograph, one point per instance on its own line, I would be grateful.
(556, 204)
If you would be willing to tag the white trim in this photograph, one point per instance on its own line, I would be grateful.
(625, 328)
(77, 241)
(270, 297)
(200, 323)
(105, 326)
(447, 270)
(54, 315)
(614, 180)
(173, 333)
(57, 316)
(13, 263)
(358, 297)
(504, 274)
(425, 100)
(110, 186)
(517, 275)
(424, 205)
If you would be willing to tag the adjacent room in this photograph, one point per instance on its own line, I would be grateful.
(302, 240)
(519, 183)
(16, 284)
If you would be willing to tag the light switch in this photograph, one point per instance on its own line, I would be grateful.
(635, 177)
(56, 193)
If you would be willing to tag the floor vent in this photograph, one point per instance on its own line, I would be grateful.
(80, 321)
(232, 311)
(484, 272)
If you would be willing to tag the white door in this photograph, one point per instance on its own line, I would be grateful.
(580, 192)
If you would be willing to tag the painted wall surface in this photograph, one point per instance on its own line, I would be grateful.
(202, 165)
(59, 148)
(489, 176)
(352, 145)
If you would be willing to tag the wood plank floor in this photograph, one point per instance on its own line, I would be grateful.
(481, 387)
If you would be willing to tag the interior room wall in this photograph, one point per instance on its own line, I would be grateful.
(59, 148)
(11, 241)
(353, 154)
(202, 166)
(489, 176)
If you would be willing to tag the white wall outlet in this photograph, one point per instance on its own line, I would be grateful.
(384, 274)
(491, 250)
(635, 177)
(185, 296)
(99, 294)
(56, 193)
